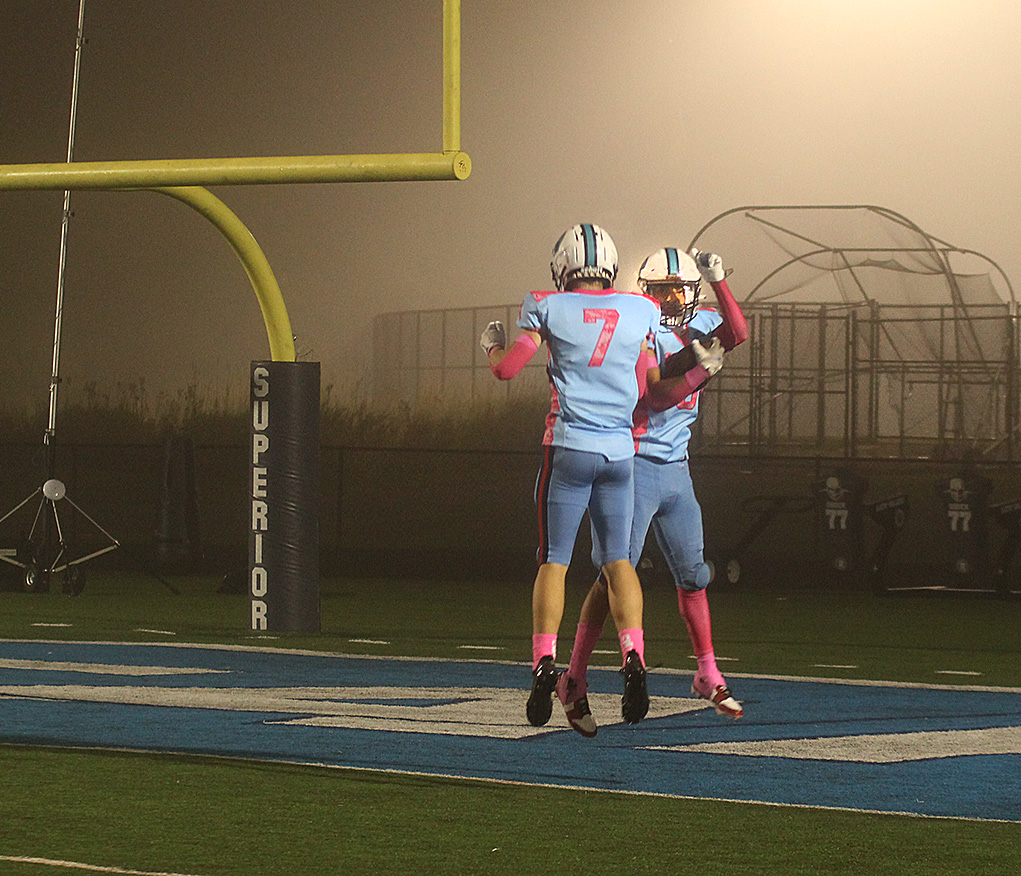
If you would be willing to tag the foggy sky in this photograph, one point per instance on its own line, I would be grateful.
(648, 117)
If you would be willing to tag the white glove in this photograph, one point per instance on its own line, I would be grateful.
(711, 357)
(710, 266)
(494, 335)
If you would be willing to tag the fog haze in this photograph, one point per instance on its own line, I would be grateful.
(647, 117)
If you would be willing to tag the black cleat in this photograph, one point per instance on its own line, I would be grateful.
(540, 701)
(634, 705)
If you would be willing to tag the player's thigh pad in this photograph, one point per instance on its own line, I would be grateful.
(562, 494)
(649, 493)
(678, 527)
(611, 510)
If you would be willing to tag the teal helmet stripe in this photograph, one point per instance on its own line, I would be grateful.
(590, 245)
(673, 264)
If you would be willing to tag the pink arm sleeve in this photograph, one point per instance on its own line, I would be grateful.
(734, 330)
(671, 391)
(642, 367)
(516, 359)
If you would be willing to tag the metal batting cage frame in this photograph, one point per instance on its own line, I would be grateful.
(870, 338)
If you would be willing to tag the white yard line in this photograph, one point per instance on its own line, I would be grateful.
(92, 868)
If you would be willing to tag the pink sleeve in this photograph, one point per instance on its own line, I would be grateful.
(660, 398)
(734, 330)
(516, 359)
(642, 367)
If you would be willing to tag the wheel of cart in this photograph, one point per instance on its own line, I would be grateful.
(727, 565)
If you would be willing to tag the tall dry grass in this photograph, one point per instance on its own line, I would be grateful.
(129, 413)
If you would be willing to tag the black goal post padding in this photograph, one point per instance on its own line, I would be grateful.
(283, 544)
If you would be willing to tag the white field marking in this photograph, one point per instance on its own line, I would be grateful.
(956, 672)
(940, 588)
(458, 711)
(879, 748)
(491, 712)
(104, 668)
(520, 783)
(331, 655)
(369, 641)
(835, 665)
(400, 658)
(870, 682)
(605, 651)
(158, 632)
(94, 868)
(482, 647)
(51, 625)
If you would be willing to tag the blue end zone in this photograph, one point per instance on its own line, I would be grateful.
(939, 751)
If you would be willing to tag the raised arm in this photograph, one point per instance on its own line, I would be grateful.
(734, 330)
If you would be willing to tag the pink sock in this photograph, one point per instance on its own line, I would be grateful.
(632, 640)
(543, 644)
(585, 640)
(708, 670)
(694, 607)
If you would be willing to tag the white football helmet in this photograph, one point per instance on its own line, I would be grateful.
(584, 251)
(671, 276)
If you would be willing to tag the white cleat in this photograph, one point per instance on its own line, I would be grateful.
(720, 696)
(574, 699)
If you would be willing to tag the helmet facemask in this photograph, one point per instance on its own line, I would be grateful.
(678, 300)
(671, 276)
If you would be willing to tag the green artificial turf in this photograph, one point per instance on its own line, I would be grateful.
(800, 632)
(216, 817)
(206, 816)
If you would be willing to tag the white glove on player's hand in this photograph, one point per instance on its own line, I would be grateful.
(494, 335)
(710, 266)
(711, 357)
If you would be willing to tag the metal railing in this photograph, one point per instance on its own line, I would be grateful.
(830, 380)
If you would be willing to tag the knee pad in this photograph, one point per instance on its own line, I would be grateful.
(698, 581)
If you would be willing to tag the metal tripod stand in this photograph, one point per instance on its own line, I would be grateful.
(43, 551)
(34, 552)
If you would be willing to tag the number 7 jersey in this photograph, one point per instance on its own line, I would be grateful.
(594, 338)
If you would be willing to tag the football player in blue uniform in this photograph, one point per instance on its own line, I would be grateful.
(597, 345)
(664, 497)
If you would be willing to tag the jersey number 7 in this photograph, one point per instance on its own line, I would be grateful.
(609, 317)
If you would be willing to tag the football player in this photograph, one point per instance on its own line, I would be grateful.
(698, 337)
(596, 339)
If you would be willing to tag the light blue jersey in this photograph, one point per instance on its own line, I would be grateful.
(664, 435)
(594, 339)
(664, 497)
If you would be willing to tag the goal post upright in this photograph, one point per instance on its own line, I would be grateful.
(284, 461)
(165, 175)
(452, 86)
